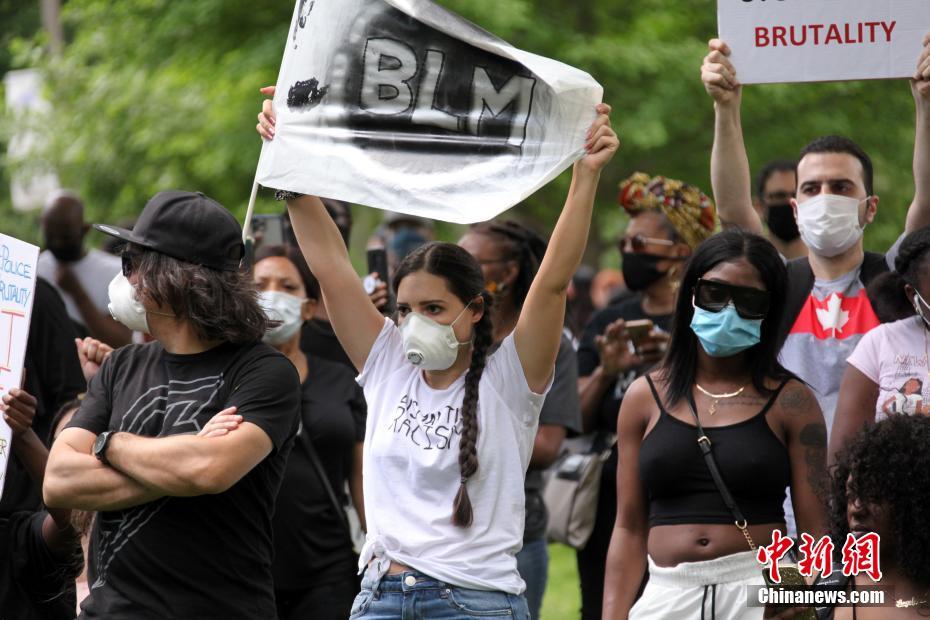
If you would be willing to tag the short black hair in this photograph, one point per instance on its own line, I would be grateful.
(778, 165)
(839, 144)
(680, 363)
(884, 463)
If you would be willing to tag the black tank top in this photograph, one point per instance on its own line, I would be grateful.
(754, 464)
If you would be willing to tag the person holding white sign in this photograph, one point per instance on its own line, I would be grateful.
(828, 309)
(450, 428)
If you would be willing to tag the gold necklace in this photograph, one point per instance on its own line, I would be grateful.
(717, 397)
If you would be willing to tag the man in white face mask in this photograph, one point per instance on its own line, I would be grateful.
(184, 509)
(828, 308)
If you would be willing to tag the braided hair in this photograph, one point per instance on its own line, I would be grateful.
(522, 245)
(886, 292)
(463, 276)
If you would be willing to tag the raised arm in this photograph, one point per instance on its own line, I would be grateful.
(626, 556)
(355, 319)
(539, 328)
(806, 437)
(729, 164)
(75, 478)
(918, 215)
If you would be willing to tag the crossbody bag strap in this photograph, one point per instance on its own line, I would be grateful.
(707, 450)
(321, 473)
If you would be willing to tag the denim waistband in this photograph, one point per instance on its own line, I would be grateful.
(408, 581)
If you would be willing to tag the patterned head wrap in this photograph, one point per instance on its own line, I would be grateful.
(687, 208)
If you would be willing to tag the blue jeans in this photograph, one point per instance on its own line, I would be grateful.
(414, 596)
(533, 564)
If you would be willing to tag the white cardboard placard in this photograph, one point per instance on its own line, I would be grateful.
(17, 288)
(823, 40)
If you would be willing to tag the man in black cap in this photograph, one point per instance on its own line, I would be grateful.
(184, 498)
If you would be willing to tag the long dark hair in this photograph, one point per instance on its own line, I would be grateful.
(522, 245)
(462, 274)
(680, 363)
(220, 305)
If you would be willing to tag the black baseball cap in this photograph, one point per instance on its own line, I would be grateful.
(187, 226)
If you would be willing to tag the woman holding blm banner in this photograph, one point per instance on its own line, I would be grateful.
(450, 428)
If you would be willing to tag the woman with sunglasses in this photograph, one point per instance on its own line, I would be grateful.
(764, 427)
(668, 219)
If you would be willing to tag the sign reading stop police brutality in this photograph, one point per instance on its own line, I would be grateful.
(17, 285)
(823, 40)
(402, 105)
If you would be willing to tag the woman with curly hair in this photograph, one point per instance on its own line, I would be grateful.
(668, 219)
(877, 486)
(887, 373)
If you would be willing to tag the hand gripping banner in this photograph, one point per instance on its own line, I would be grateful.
(405, 106)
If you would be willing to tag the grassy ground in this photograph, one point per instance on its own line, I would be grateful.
(563, 598)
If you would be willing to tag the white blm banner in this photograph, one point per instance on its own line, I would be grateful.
(405, 106)
(823, 40)
(17, 286)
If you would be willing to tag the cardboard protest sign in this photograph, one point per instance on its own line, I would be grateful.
(402, 105)
(17, 285)
(823, 40)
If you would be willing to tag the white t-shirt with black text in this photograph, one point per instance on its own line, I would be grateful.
(411, 467)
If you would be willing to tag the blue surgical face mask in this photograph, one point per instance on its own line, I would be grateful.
(725, 333)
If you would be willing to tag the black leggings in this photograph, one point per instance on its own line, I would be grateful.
(331, 601)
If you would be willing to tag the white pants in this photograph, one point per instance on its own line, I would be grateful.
(711, 590)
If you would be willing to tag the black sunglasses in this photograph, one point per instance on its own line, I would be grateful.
(750, 303)
(129, 260)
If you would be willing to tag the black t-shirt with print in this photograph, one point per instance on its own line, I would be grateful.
(312, 546)
(190, 557)
(34, 585)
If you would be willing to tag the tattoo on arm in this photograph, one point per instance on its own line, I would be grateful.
(796, 400)
(814, 439)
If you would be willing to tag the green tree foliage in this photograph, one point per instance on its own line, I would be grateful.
(152, 94)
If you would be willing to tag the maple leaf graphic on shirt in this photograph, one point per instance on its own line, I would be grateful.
(833, 317)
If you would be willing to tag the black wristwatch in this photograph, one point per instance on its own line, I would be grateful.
(100, 446)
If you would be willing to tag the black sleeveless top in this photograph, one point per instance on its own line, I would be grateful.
(754, 464)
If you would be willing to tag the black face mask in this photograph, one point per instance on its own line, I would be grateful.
(780, 219)
(639, 270)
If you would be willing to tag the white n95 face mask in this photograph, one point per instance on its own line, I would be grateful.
(283, 307)
(430, 345)
(125, 306)
(829, 224)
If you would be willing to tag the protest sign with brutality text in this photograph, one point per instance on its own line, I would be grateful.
(17, 285)
(402, 105)
(823, 40)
